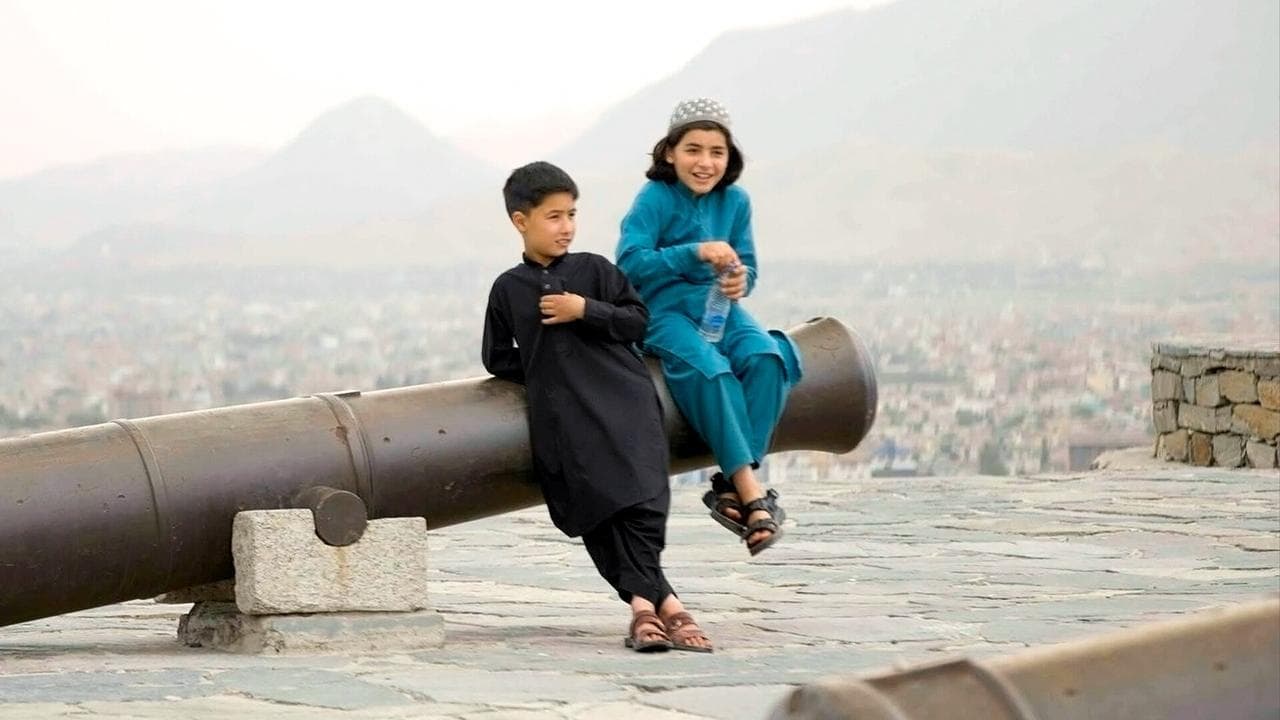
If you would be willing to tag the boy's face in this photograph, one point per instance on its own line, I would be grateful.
(700, 159)
(548, 228)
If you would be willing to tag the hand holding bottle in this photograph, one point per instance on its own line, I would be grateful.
(733, 281)
(716, 312)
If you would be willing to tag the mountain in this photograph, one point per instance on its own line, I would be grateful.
(1148, 207)
(1024, 74)
(51, 208)
(1145, 207)
(365, 164)
(1130, 132)
(363, 160)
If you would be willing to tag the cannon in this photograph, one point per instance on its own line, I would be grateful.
(1222, 663)
(134, 508)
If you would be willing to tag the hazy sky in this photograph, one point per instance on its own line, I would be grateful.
(79, 79)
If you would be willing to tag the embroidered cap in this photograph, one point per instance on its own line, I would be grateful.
(696, 109)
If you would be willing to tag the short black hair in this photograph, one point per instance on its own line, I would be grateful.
(666, 172)
(530, 184)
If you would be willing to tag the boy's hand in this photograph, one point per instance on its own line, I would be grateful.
(562, 308)
(717, 252)
(734, 285)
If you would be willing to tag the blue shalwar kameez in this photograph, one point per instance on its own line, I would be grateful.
(732, 392)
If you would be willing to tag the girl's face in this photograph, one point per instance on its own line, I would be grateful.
(700, 159)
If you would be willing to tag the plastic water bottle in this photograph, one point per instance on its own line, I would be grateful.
(717, 309)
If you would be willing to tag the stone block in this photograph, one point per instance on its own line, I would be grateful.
(1160, 361)
(1260, 454)
(1175, 445)
(1221, 345)
(1269, 394)
(1194, 417)
(1204, 419)
(1199, 365)
(1238, 386)
(283, 567)
(1172, 348)
(1189, 390)
(1164, 415)
(1237, 362)
(1207, 392)
(1165, 386)
(1228, 450)
(1256, 421)
(222, 626)
(1266, 367)
(1201, 449)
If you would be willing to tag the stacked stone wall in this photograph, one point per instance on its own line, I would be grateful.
(1216, 403)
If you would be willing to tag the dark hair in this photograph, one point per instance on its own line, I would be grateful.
(666, 172)
(530, 184)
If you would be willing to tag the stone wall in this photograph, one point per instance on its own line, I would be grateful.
(1216, 401)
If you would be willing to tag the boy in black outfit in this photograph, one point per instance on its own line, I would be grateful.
(563, 325)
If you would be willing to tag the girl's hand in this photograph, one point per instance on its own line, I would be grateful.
(717, 252)
(562, 308)
(734, 285)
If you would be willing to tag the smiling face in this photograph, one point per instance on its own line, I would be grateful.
(700, 159)
(548, 228)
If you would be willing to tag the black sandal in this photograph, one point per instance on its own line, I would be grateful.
(771, 524)
(724, 496)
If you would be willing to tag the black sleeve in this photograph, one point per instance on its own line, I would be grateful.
(619, 312)
(497, 350)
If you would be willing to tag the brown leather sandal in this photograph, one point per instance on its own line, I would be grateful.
(647, 633)
(681, 628)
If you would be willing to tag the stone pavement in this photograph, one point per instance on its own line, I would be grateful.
(872, 573)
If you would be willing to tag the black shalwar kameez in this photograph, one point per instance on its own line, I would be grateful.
(595, 422)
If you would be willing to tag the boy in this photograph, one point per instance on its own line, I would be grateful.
(562, 324)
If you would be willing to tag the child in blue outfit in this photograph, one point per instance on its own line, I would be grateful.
(689, 224)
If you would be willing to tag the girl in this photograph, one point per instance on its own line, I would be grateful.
(690, 227)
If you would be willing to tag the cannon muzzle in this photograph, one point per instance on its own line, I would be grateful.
(134, 508)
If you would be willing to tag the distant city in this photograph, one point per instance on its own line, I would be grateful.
(982, 368)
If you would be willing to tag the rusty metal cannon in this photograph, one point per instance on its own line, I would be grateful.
(133, 508)
(1222, 663)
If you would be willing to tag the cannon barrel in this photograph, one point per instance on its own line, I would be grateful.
(133, 508)
(1222, 664)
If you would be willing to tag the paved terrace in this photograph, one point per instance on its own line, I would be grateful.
(872, 573)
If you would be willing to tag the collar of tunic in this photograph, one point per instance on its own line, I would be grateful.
(535, 264)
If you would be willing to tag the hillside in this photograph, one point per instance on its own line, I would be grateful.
(1021, 74)
(54, 207)
(363, 160)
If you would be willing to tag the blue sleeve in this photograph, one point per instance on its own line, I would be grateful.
(740, 237)
(639, 254)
